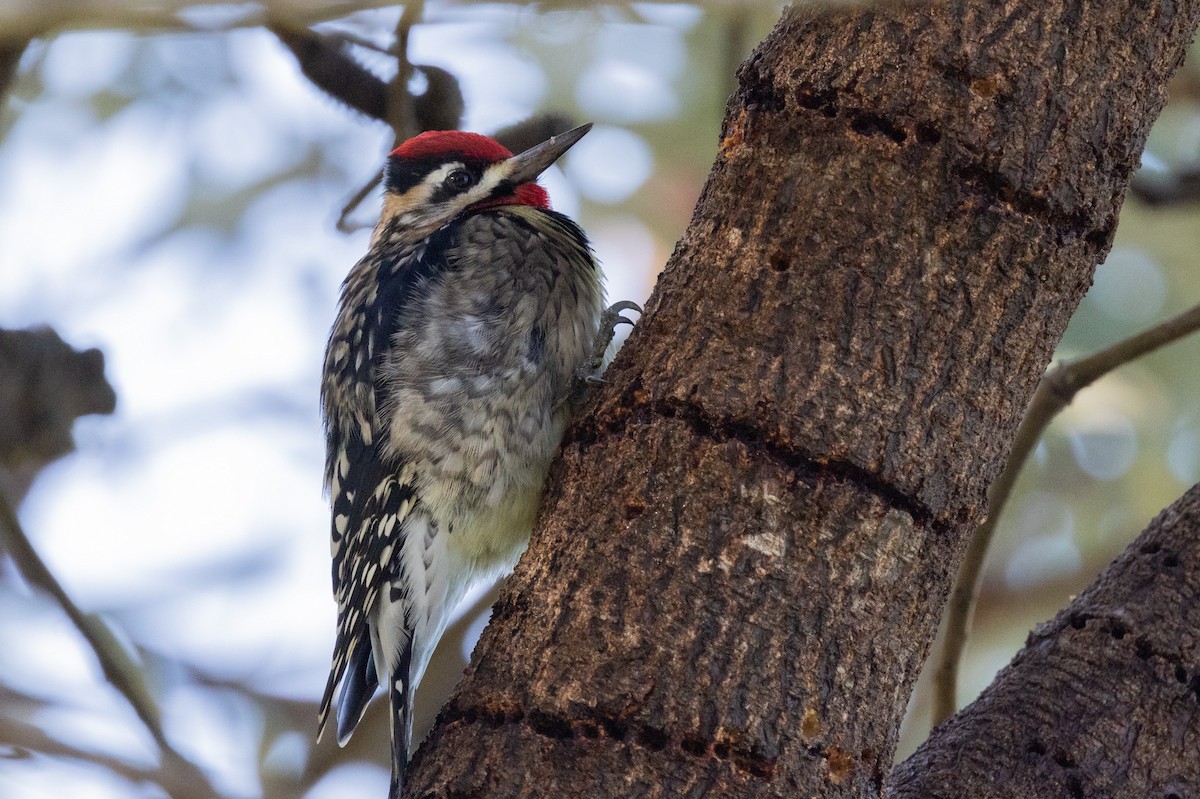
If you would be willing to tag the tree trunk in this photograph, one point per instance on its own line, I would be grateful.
(1103, 701)
(744, 550)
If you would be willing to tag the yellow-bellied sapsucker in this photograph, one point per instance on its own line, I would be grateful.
(457, 342)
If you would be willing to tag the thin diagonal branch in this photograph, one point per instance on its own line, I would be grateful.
(1054, 392)
(118, 667)
(326, 61)
(10, 56)
(401, 109)
(178, 783)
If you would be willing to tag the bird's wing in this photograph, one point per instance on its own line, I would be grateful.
(370, 496)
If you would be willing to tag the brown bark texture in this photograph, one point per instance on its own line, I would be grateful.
(1103, 701)
(745, 547)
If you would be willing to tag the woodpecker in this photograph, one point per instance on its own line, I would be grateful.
(459, 340)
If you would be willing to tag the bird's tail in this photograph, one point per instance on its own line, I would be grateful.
(400, 695)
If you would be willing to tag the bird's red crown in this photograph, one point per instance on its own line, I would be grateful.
(460, 142)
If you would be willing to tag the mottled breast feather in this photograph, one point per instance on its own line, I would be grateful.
(475, 381)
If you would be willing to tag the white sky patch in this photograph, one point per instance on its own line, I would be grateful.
(287, 755)
(657, 48)
(38, 779)
(1129, 286)
(355, 779)
(1041, 560)
(1104, 443)
(1045, 526)
(564, 196)
(683, 16)
(471, 636)
(118, 734)
(178, 504)
(270, 77)
(53, 660)
(1183, 455)
(630, 257)
(500, 84)
(610, 164)
(80, 63)
(236, 145)
(625, 93)
(212, 727)
(193, 62)
(69, 203)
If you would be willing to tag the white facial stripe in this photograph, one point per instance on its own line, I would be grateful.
(416, 210)
(439, 175)
(493, 176)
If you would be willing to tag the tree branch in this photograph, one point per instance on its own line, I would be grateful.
(31, 20)
(1102, 701)
(744, 550)
(118, 667)
(44, 386)
(10, 58)
(1054, 392)
(1180, 185)
(325, 59)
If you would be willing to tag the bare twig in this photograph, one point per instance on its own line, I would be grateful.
(30, 20)
(326, 61)
(119, 668)
(1054, 392)
(176, 782)
(1173, 188)
(401, 110)
(351, 205)
(10, 56)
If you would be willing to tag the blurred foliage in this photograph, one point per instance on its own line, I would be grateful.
(170, 197)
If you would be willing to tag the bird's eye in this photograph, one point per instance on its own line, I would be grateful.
(458, 180)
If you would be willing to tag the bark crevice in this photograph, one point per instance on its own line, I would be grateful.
(722, 430)
(595, 724)
(975, 175)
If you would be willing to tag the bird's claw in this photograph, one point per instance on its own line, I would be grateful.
(609, 320)
(623, 305)
(588, 374)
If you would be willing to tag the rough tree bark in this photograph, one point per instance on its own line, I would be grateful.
(1103, 701)
(747, 542)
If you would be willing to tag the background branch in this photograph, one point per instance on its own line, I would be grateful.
(326, 60)
(44, 386)
(1177, 186)
(119, 668)
(10, 57)
(1054, 392)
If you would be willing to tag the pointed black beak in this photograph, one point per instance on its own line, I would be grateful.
(534, 161)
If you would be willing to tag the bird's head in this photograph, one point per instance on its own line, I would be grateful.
(436, 176)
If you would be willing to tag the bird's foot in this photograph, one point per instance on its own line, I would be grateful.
(588, 373)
